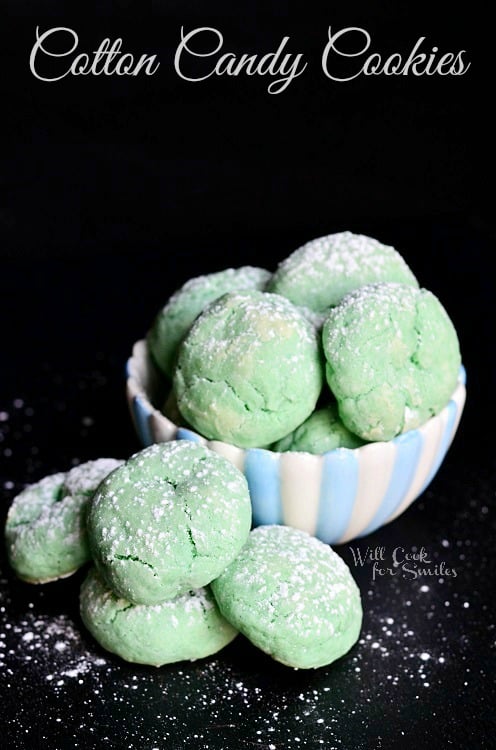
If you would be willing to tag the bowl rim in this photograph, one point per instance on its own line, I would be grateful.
(136, 389)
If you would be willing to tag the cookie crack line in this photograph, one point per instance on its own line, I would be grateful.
(10, 526)
(134, 558)
(414, 357)
(263, 408)
(204, 610)
(44, 510)
(246, 406)
(189, 533)
(193, 543)
(119, 612)
(229, 386)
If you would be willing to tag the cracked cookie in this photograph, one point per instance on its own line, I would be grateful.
(46, 524)
(392, 359)
(167, 521)
(323, 431)
(250, 369)
(188, 627)
(292, 596)
(175, 319)
(321, 272)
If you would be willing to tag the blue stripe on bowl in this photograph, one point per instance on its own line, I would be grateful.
(462, 375)
(262, 473)
(185, 434)
(128, 368)
(408, 450)
(141, 417)
(338, 490)
(452, 411)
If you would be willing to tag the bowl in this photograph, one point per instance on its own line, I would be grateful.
(337, 496)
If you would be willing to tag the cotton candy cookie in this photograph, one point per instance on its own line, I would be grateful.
(392, 359)
(46, 524)
(168, 521)
(83, 480)
(250, 369)
(176, 318)
(292, 596)
(321, 272)
(188, 627)
(323, 431)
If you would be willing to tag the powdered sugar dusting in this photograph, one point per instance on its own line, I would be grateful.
(343, 254)
(213, 285)
(249, 370)
(292, 595)
(174, 514)
(175, 319)
(85, 478)
(392, 358)
(320, 272)
(51, 645)
(36, 497)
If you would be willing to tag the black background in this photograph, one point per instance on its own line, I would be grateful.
(115, 191)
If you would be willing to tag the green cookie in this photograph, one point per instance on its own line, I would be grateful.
(323, 431)
(292, 596)
(392, 359)
(168, 521)
(189, 627)
(320, 273)
(250, 369)
(176, 318)
(46, 525)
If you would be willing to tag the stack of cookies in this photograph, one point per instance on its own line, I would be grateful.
(177, 572)
(338, 347)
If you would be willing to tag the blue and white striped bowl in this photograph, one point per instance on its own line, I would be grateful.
(336, 496)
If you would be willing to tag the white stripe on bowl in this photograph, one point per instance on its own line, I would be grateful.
(162, 428)
(375, 467)
(432, 435)
(233, 454)
(432, 439)
(300, 475)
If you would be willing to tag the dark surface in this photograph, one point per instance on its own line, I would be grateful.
(60, 690)
(116, 191)
(63, 402)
